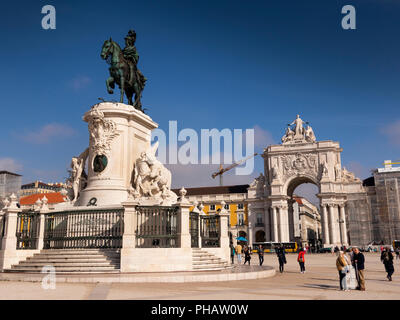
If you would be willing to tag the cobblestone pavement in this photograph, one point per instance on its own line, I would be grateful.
(318, 283)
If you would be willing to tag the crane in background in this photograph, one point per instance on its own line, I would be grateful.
(222, 170)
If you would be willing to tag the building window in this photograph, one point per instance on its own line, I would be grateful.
(259, 218)
(240, 206)
(212, 207)
(240, 219)
(226, 207)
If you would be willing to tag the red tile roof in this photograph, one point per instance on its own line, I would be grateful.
(52, 197)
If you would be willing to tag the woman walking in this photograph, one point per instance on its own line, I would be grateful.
(343, 268)
(247, 256)
(301, 260)
(387, 260)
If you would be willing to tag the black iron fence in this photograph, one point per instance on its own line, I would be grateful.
(27, 230)
(102, 228)
(194, 229)
(210, 231)
(157, 227)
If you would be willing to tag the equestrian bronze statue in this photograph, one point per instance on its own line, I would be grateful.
(123, 69)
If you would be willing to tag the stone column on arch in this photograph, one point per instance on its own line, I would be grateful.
(343, 227)
(267, 226)
(333, 224)
(274, 229)
(283, 223)
(325, 225)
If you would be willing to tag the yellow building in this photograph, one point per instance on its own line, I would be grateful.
(209, 200)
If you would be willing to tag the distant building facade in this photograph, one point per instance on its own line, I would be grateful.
(40, 187)
(383, 194)
(9, 183)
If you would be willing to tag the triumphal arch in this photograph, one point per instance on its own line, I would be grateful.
(299, 159)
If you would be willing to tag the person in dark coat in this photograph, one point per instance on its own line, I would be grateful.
(261, 254)
(387, 260)
(247, 256)
(358, 263)
(280, 252)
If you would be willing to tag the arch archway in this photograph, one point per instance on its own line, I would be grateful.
(302, 159)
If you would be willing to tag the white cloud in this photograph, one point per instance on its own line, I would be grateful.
(80, 82)
(262, 138)
(47, 133)
(9, 164)
(392, 131)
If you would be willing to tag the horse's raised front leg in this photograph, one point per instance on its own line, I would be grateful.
(110, 85)
(122, 89)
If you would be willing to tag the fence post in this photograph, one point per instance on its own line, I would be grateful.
(42, 217)
(224, 232)
(129, 236)
(183, 220)
(8, 254)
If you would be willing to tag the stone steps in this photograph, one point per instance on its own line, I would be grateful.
(205, 261)
(71, 261)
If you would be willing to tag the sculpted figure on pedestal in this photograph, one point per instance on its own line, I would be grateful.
(298, 130)
(151, 179)
(289, 135)
(348, 176)
(309, 134)
(338, 173)
(78, 175)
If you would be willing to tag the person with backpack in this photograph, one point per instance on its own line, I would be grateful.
(301, 260)
(280, 252)
(387, 260)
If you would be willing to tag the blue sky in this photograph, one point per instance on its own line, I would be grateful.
(210, 64)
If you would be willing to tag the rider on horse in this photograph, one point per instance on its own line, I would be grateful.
(131, 55)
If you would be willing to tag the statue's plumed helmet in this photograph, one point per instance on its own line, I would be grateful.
(131, 34)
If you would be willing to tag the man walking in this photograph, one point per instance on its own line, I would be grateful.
(358, 263)
(238, 250)
(261, 254)
(280, 252)
(387, 260)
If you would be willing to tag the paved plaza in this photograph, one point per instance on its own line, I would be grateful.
(318, 283)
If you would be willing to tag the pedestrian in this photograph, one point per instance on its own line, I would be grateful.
(238, 250)
(387, 260)
(301, 260)
(332, 250)
(247, 256)
(261, 254)
(358, 263)
(280, 252)
(343, 268)
(397, 253)
(232, 253)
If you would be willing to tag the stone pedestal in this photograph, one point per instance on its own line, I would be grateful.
(118, 135)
